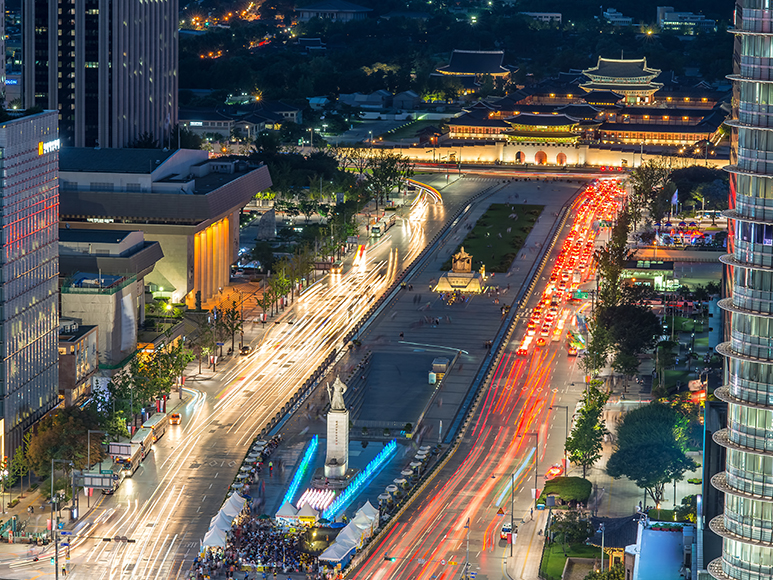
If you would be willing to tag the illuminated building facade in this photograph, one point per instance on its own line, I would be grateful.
(746, 526)
(29, 318)
(631, 78)
(108, 66)
(181, 199)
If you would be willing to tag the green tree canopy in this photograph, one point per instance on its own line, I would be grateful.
(63, 434)
(650, 448)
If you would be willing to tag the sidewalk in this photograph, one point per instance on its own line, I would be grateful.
(527, 550)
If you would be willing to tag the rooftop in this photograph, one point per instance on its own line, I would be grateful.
(530, 120)
(85, 159)
(621, 68)
(472, 62)
(603, 96)
(93, 236)
(621, 87)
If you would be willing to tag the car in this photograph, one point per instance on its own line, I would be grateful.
(245, 350)
(545, 331)
(541, 341)
(507, 528)
(522, 351)
(109, 491)
(174, 419)
(555, 471)
(572, 351)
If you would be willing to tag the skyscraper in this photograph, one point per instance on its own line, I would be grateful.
(29, 268)
(108, 66)
(746, 527)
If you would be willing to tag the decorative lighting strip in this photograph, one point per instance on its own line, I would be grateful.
(358, 482)
(301, 471)
(319, 499)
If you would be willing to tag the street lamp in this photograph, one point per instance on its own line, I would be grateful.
(370, 138)
(566, 429)
(602, 529)
(4, 473)
(54, 523)
(311, 140)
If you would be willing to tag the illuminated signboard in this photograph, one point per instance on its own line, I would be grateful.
(48, 147)
(11, 81)
(197, 123)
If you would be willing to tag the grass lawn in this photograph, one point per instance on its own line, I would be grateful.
(409, 131)
(554, 560)
(685, 324)
(568, 489)
(491, 244)
(673, 375)
(663, 516)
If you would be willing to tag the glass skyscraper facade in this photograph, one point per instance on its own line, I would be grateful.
(746, 526)
(29, 270)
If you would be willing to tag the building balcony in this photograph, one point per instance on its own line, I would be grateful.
(719, 482)
(717, 525)
(722, 437)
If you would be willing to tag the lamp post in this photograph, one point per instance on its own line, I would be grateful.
(311, 140)
(54, 524)
(566, 429)
(4, 474)
(88, 454)
(602, 529)
(370, 138)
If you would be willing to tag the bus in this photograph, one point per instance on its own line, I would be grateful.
(130, 464)
(143, 439)
(157, 424)
(382, 226)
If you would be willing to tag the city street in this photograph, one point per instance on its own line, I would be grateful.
(166, 507)
(459, 517)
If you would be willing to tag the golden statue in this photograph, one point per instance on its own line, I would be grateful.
(461, 262)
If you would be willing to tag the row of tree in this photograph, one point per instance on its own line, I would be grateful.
(622, 326)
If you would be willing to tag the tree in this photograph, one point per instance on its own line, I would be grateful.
(650, 448)
(571, 526)
(387, 171)
(231, 319)
(63, 435)
(144, 140)
(632, 330)
(584, 443)
(183, 138)
(19, 463)
(203, 342)
(597, 352)
(616, 572)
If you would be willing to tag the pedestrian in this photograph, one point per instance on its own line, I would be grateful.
(531, 513)
(64, 571)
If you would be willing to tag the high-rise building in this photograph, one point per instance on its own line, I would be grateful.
(746, 526)
(108, 66)
(29, 269)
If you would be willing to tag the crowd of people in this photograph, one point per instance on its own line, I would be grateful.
(257, 548)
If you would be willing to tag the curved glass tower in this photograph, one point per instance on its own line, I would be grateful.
(746, 526)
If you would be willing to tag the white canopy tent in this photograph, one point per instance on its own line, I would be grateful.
(363, 523)
(370, 511)
(336, 552)
(221, 521)
(215, 538)
(351, 535)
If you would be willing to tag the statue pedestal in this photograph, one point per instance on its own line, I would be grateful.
(337, 459)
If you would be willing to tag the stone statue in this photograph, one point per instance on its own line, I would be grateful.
(336, 394)
(461, 262)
